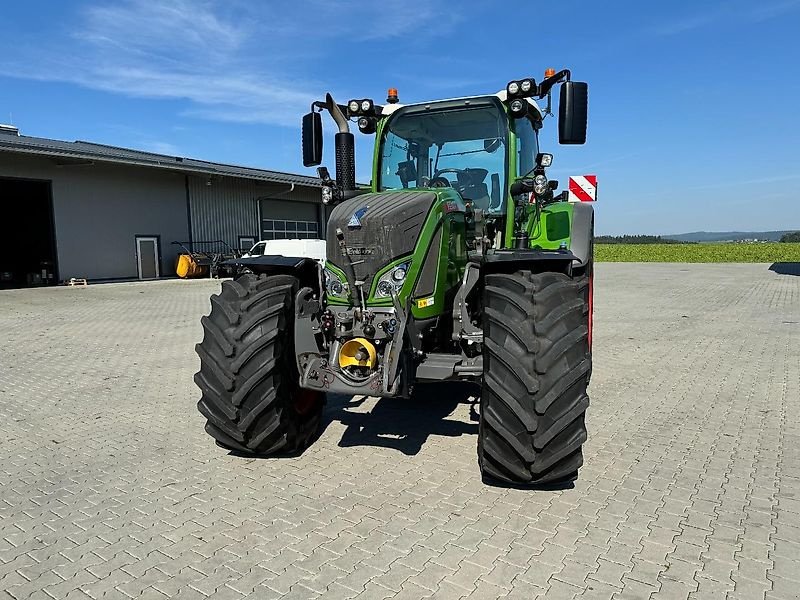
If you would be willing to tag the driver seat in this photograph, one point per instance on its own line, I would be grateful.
(478, 193)
(473, 188)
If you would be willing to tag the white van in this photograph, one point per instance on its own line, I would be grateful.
(303, 248)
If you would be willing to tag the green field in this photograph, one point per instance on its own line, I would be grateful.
(698, 253)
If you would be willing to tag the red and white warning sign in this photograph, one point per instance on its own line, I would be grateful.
(583, 188)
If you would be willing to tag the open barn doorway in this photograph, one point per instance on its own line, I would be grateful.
(27, 234)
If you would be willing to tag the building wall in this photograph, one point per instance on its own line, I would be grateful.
(99, 209)
(227, 208)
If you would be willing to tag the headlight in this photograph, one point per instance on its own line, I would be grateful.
(399, 274)
(392, 281)
(539, 185)
(327, 194)
(352, 106)
(334, 286)
(366, 105)
(385, 288)
(526, 85)
(513, 88)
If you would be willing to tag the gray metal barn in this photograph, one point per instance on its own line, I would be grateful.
(84, 210)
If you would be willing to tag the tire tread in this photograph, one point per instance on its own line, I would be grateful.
(537, 365)
(247, 373)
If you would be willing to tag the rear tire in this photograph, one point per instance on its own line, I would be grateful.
(248, 376)
(537, 365)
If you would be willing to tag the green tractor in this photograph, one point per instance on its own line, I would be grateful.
(459, 262)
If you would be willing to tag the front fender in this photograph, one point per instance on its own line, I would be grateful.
(561, 226)
(582, 232)
(307, 270)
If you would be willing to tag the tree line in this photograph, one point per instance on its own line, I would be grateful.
(793, 237)
(636, 239)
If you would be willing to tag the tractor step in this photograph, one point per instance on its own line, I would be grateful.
(440, 367)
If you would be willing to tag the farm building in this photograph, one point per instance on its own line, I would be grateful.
(85, 210)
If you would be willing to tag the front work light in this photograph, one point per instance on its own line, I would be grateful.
(522, 88)
(526, 85)
(360, 107)
(366, 125)
(518, 107)
(544, 160)
(539, 185)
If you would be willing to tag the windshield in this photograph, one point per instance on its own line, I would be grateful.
(459, 147)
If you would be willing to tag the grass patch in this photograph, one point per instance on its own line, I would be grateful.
(698, 253)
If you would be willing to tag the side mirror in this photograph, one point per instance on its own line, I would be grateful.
(312, 139)
(491, 145)
(573, 112)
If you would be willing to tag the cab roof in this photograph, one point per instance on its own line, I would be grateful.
(502, 96)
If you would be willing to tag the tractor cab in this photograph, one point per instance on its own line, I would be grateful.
(462, 144)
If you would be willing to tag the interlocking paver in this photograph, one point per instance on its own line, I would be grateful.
(690, 486)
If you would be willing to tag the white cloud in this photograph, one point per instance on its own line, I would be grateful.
(174, 26)
(162, 148)
(230, 61)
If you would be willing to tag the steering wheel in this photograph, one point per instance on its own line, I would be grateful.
(438, 173)
(461, 182)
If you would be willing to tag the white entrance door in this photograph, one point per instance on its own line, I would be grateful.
(147, 257)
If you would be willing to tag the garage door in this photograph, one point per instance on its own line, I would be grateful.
(281, 219)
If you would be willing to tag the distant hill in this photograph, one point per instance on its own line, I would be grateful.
(727, 236)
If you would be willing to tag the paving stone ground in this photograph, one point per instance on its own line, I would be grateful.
(110, 488)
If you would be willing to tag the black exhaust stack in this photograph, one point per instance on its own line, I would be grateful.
(345, 150)
(345, 162)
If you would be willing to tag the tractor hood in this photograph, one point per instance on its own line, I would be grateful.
(377, 228)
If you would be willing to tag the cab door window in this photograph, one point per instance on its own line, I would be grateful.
(527, 145)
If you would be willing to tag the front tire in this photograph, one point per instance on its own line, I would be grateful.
(537, 365)
(248, 376)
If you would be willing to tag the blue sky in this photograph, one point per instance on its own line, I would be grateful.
(694, 106)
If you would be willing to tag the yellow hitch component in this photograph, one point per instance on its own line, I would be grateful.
(187, 267)
(358, 352)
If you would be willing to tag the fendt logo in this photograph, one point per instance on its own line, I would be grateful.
(355, 220)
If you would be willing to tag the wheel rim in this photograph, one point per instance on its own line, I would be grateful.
(305, 401)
